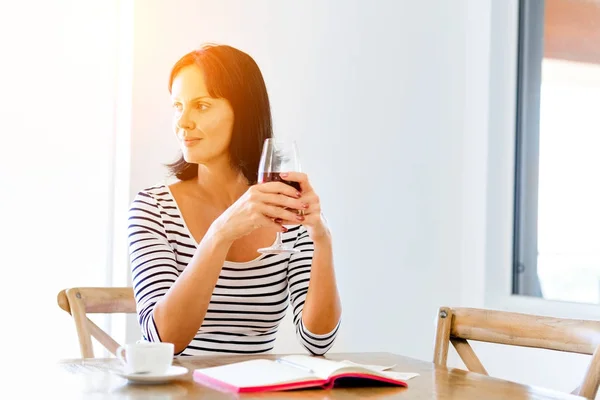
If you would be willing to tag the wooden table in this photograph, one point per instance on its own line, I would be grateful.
(91, 379)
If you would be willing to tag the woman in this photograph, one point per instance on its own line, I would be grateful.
(198, 280)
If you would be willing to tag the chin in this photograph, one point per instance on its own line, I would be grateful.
(194, 156)
(192, 160)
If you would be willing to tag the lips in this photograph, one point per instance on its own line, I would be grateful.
(191, 141)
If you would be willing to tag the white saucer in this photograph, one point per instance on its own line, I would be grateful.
(173, 373)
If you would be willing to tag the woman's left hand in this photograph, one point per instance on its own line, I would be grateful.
(313, 220)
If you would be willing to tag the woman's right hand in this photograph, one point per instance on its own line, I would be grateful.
(270, 204)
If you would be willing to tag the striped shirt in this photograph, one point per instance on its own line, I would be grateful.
(250, 298)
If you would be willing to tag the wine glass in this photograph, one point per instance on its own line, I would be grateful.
(278, 156)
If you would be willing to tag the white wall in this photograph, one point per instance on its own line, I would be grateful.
(389, 103)
(356, 85)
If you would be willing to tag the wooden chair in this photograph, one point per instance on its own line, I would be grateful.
(80, 301)
(457, 325)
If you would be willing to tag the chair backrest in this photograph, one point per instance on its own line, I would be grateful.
(457, 325)
(80, 301)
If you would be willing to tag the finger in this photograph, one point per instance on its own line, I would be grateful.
(313, 209)
(313, 203)
(282, 222)
(282, 214)
(312, 218)
(279, 187)
(299, 177)
(277, 223)
(282, 200)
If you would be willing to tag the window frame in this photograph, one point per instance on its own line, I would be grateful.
(529, 78)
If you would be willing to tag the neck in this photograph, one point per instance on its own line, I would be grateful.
(221, 182)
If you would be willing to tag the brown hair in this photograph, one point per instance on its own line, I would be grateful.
(233, 75)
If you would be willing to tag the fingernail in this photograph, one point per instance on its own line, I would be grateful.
(278, 220)
(304, 205)
(299, 217)
(298, 195)
(284, 229)
(283, 174)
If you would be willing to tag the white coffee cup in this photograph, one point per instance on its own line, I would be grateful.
(147, 357)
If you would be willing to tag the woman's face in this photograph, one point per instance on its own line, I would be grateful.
(203, 124)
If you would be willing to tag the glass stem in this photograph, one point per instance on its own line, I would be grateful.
(278, 240)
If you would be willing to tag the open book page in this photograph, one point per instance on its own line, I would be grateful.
(254, 373)
(402, 376)
(370, 366)
(322, 368)
(326, 368)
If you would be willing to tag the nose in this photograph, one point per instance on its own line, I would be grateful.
(185, 123)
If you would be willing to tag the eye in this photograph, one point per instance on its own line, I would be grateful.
(177, 106)
(202, 106)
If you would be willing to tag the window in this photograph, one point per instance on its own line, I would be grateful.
(557, 180)
(58, 148)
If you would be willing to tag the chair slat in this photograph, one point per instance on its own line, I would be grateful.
(80, 301)
(468, 356)
(516, 329)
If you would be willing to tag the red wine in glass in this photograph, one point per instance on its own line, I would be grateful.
(276, 177)
(277, 157)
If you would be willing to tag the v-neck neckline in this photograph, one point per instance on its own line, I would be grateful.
(196, 243)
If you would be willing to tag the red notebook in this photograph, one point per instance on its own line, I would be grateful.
(296, 372)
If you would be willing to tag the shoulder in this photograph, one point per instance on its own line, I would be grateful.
(146, 209)
(154, 196)
(148, 204)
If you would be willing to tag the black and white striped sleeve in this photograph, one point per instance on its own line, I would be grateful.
(298, 279)
(152, 260)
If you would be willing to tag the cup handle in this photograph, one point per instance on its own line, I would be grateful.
(119, 354)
